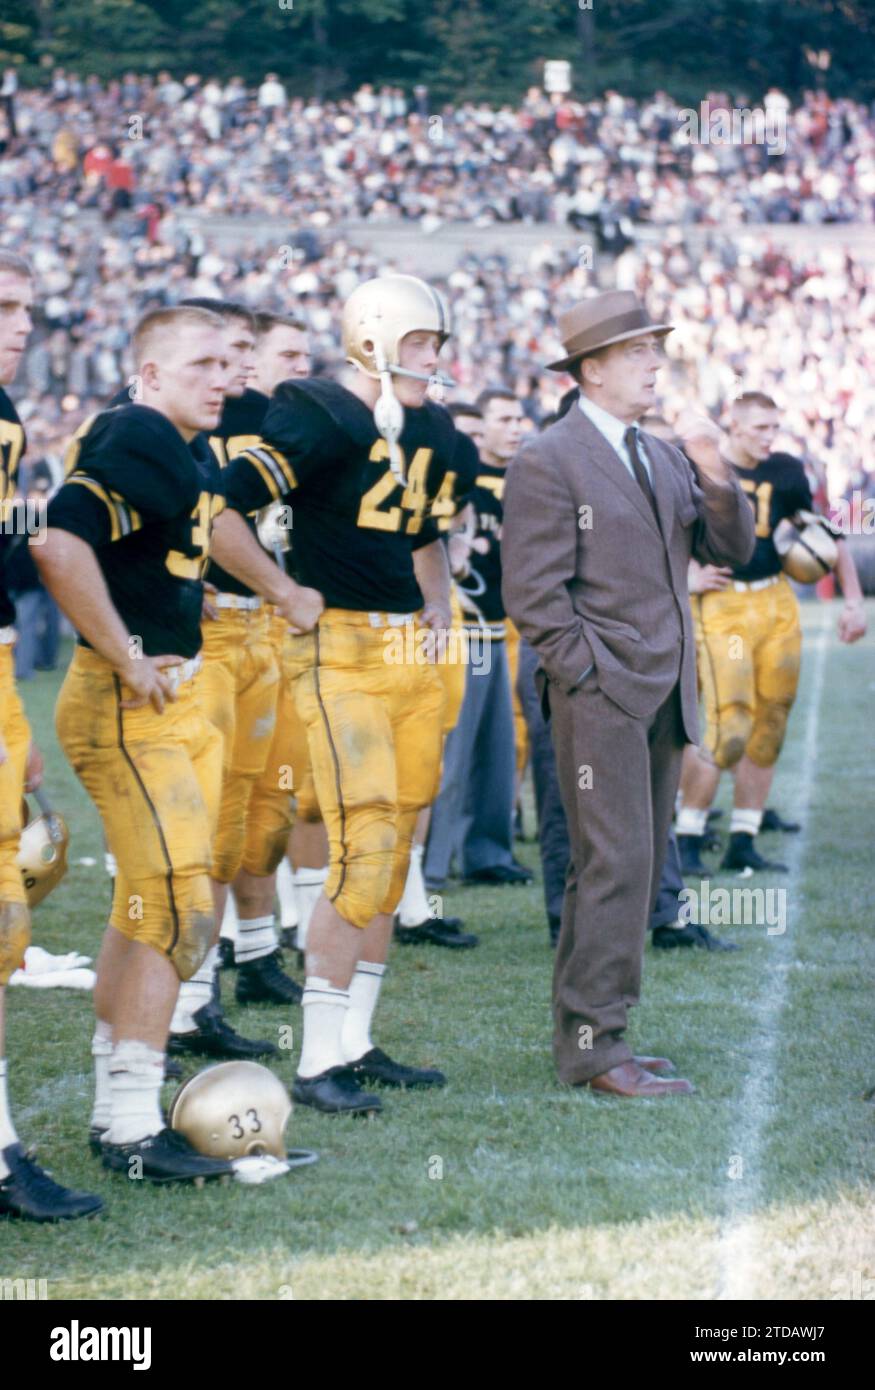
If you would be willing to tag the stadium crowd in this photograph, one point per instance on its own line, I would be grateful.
(157, 143)
(799, 325)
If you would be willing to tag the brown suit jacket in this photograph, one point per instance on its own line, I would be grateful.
(601, 587)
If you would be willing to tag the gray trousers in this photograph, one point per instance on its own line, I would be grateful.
(472, 817)
(552, 827)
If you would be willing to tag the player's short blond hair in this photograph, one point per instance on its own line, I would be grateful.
(158, 323)
(12, 264)
(753, 398)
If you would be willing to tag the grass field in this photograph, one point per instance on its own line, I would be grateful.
(506, 1185)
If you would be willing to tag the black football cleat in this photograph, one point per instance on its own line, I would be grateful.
(335, 1092)
(289, 938)
(378, 1069)
(214, 1037)
(264, 981)
(227, 959)
(29, 1193)
(742, 854)
(773, 820)
(690, 855)
(96, 1136)
(669, 938)
(714, 815)
(172, 1070)
(163, 1157)
(436, 931)
(500, 874)
(554, 926)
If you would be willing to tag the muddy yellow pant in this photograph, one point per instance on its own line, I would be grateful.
(749, 645)
(15, 734)
(156, 780)
(372, 706)
(238, 688)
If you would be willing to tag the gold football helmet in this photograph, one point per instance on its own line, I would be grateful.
(380, 312)
(42, 850)
(377, 315)
(233, 1110)
(806, 545)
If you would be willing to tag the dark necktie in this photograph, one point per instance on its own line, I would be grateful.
(630, 439)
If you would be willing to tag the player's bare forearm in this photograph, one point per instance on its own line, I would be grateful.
(68, 568)
(847, 575)
(433, 576)
(234, 547)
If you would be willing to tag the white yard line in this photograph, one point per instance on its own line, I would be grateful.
(739, 1236)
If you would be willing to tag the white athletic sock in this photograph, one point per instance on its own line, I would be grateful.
(690, 821)
(285, 891)
(256, 937)
(136, 1072)
(110, 864)
(746, 822)
(308, 886)
(228, 930)
(364, 991)
(194, 993)
(101, 1051)
(7, 1128)
(413, 907)
(324, 1011)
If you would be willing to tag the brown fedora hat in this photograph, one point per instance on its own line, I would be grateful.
(598, 322)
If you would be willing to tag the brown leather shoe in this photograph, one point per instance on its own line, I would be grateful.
(660, 1066)
(631, 1080)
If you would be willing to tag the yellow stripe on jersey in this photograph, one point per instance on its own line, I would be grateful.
(123, 518)
(71, 453)
(275, 470)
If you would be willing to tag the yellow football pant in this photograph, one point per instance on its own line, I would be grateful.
(749, 644)
(452, 673)
(520, 728)
(374, 731)
(285, 775)
(15, 733)
(238, 688)
(156, 781)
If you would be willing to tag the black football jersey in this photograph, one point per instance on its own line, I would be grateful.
(480, 591)
(238, 429)
(145, 501)
(354, 526)
(12, 446)
(776, 488)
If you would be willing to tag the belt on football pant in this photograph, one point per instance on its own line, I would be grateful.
(750, 586)
(8, 635)
(359, 617)
(178, 675)
(494, 631)
(249, 603)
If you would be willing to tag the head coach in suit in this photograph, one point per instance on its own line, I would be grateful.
(600, 521)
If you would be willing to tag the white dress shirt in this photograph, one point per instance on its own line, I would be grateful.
(614, 431)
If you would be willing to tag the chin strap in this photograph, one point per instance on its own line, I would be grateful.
(389, 418)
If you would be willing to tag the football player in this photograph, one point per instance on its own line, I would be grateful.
(281, 353)
(473, 815)
(365, 507)
(25, 1190)
(416, 922)
(124, 554)
(750, 648)
(237, 688)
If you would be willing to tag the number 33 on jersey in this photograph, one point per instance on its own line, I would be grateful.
(145, 501)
